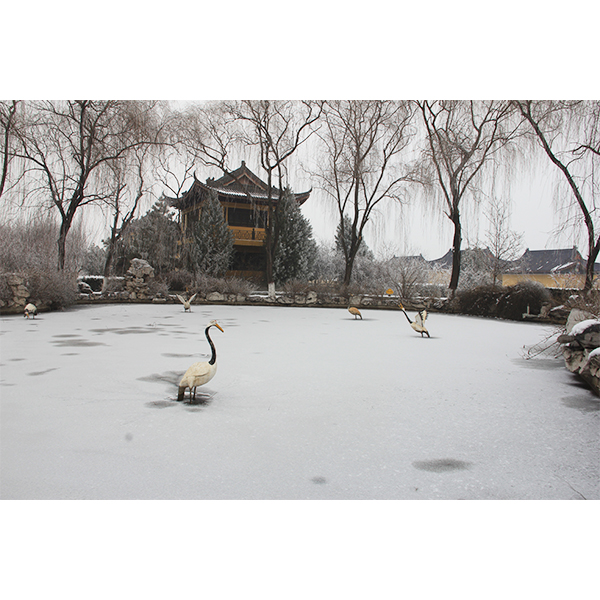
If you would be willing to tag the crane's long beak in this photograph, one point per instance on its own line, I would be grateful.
(217, 325)
(400, 305)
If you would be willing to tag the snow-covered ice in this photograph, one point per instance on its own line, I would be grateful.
(307, 403)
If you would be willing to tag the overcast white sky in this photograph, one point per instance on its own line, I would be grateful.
(318, 49)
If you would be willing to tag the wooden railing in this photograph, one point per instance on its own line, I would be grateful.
(248, 234)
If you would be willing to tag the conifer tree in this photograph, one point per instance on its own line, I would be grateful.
(343, 240)
(296, 250)
(152, 237)
(213, 249)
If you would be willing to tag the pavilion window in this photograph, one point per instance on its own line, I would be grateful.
(245, 217)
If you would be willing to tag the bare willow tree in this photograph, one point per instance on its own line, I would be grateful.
(8, 129)
(462, 136)
(277, 129)
(363, 142)
(503, 243)
(69, 144)
(569, 134)
(129, 182)
(188, 137)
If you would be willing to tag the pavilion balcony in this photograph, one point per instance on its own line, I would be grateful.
(248, 236)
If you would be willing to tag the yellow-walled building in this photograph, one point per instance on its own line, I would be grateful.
(561, 268)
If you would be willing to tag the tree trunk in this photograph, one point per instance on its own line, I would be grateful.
(455, 252)
(593, 251)
(269, 258)
(349, 268)
(62, 243)
(109, 260)
(110, 250)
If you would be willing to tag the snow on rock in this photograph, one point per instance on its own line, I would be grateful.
(582, 326)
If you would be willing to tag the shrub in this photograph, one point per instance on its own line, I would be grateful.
(504, 302)
(180, 280)
(481, 300)
(157, 288)
(517, 298)
(53, 289)
(32, 245)
(236, 285)
(296, 286)
(205, 284)
(113, 285)
(5, 289)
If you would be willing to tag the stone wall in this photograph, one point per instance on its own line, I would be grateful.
(19, 294)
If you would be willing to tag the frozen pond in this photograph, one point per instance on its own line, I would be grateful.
(307, 403)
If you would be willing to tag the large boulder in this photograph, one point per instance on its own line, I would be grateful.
(137, 279)
(581, 347)
(141, 269)
(215, 297)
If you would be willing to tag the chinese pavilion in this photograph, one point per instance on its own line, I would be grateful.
(244, 198)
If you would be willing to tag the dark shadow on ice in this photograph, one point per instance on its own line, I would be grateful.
(582, 403)
(175, 355)
(171, 377)
(543, 364)
(36, 373)
(161, 403)
(363, 319)
(441, 465)
(319, 480)
(199, 400)
(127, 330)
(76, 343)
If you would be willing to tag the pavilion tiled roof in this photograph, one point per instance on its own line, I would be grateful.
(236, 186)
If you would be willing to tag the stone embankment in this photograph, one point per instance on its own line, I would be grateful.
(19, 294)
(311, 298)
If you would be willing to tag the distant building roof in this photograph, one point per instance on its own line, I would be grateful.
(562, 260)
(567, 260)
(445, 262)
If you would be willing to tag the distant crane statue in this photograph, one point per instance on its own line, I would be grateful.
(201, 372)
(30, 310)
(419, 323)
(187, 304)
(354, 311)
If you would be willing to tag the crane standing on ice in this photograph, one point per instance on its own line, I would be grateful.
(419, 323)
(354, 311)
(187, 304)
(201, 372)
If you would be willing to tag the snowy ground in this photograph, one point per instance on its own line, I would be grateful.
(308, 403)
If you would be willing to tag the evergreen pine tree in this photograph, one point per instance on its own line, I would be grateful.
(152, 237)
(296, 250)
(344, 240)
(213, 249)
